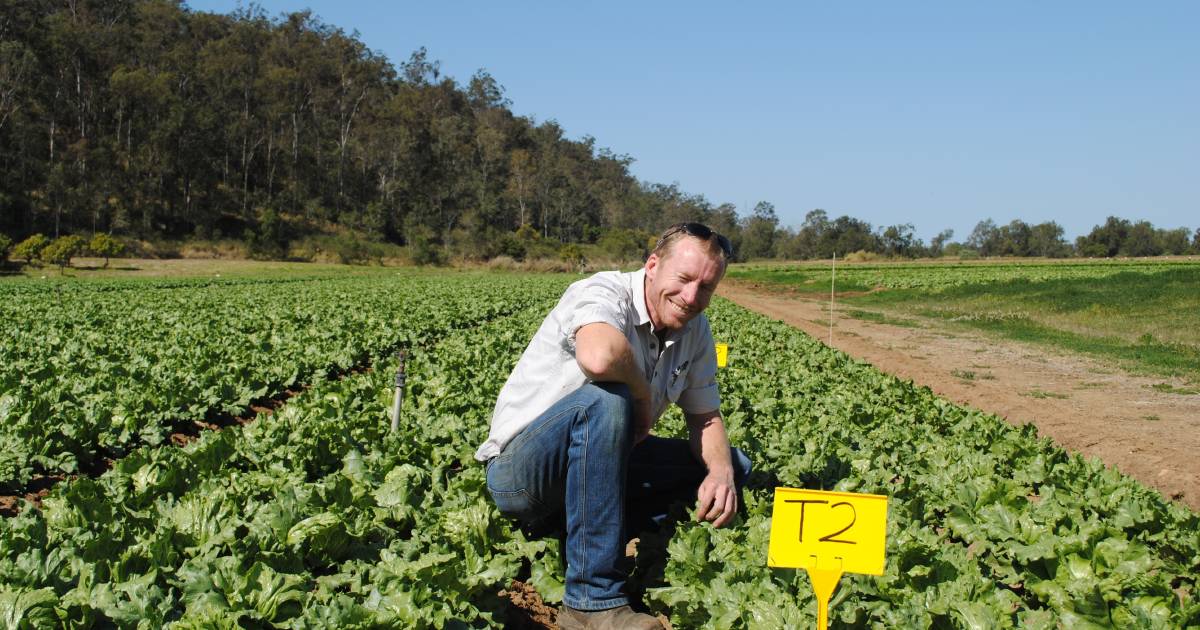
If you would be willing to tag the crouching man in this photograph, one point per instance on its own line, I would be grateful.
(570, 439)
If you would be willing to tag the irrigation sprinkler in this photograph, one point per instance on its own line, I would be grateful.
(401, 356)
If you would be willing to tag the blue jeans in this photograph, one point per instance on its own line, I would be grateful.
(577, 461)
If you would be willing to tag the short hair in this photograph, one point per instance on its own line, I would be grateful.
(718, 245)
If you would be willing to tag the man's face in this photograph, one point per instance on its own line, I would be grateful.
(679, 287)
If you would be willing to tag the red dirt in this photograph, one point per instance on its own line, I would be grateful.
(527, 610)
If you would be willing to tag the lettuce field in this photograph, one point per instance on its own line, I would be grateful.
(315, 515)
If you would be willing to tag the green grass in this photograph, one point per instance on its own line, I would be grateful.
(881, 318)
(1168, 388)
(1040, 394)
(970, 375)
(1154, 358)
(814, 280)
(966, 375)
(1159, 306)
(1145, 322)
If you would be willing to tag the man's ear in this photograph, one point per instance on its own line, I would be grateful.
(652, 266)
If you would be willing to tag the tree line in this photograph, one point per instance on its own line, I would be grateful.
(821, 237)
(144, 119)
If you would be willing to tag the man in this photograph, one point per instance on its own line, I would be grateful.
(570, 436)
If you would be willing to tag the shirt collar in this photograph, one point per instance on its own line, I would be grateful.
(637, 286)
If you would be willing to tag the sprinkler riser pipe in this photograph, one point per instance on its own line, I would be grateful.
(398, 397)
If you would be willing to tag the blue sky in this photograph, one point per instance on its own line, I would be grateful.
(936, 114)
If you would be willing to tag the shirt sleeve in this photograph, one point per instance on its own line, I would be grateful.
(593, 302)
(701, 394)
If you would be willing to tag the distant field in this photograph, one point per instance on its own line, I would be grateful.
(1144, 314)
(815, 275)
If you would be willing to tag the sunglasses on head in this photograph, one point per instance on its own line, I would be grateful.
(703, 232)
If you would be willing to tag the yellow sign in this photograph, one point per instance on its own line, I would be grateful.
(827, 534)
(722, 354)
(828, 530)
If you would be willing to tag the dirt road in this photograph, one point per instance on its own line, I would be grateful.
(1086, 406)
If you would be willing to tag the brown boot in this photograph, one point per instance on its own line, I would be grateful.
(619, 618)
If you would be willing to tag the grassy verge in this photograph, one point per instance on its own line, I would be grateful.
(797, 280)
(1146, 322)
(1151, 356)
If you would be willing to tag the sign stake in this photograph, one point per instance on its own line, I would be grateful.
(824, 583)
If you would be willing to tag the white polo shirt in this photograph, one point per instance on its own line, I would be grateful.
(683, 371)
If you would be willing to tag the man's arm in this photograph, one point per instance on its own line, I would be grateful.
(604, 355)
(717, 496)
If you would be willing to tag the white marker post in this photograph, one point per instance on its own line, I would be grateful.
(832, 278)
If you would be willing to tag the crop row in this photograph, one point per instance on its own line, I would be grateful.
(90, 370)
(313, 517)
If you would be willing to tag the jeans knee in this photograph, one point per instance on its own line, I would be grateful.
(742, 467)
(611, 408)
(510, 492)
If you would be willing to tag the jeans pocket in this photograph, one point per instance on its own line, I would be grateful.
(518, 504)
(513, 499)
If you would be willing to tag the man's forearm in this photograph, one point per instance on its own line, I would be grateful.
(709, 442)
(604, 355)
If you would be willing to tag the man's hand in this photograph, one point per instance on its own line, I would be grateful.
(717, 498)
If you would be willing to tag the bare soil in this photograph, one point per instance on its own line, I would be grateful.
(1086, 406)
(526, 610)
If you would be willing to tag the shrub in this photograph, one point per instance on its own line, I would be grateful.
(623, 244)
(350, 250)
(527, 233)
(502, 262)
(106, 246)
(31, 248)
(426, 251)
(62, 249)
(512, 247)
(476, 244)
(861, 255)
(269, 237)
(423, 246)
(5, 245)
(571, 254)
(545, 248)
